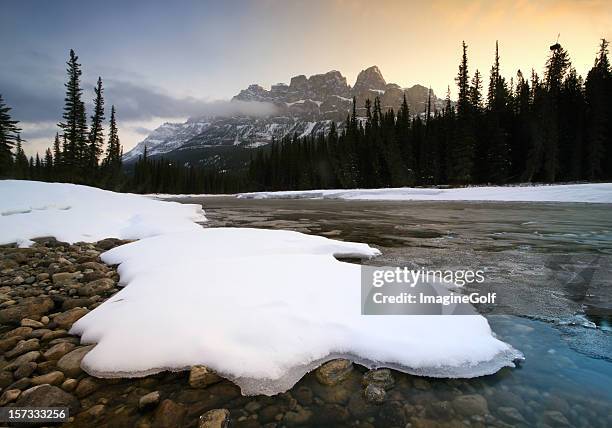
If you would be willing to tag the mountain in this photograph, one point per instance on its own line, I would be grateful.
(306, 106)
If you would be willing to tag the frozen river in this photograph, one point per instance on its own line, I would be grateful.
(549, 263)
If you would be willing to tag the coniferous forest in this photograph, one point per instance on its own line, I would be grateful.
(556, 127)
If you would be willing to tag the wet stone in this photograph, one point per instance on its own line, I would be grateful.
(333, 372)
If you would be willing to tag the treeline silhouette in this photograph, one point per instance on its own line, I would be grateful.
(79, 153)
(557, 128)
(554, 128)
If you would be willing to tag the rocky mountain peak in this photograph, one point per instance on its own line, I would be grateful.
(370, 79)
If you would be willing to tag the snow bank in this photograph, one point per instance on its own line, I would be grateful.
(594, 193)
(263, 307)
(72, 213)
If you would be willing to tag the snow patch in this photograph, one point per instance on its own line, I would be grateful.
(73, 213)
(263, 307)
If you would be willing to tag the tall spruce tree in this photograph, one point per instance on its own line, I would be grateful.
(96, 134)
(462, 160)
(9, 134)
(598, 93)
(74, 124)
(497, 154)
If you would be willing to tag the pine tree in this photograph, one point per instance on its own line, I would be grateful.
(557, 66)
(96, 134)
(112, 160)
(598, 92)
(9, 134)
(462, 164)
(21, 165)
(74, 124)
(497, 153)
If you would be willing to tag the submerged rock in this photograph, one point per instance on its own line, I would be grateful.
(202, 376)
(333, 372)
(216, 418)
(374, 394)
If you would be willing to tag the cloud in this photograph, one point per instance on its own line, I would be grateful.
(138, 102)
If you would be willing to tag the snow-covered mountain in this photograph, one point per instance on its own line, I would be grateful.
(306, 106)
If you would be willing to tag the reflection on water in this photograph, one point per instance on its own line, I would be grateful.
(551, 265)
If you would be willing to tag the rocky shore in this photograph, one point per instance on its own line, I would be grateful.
(46, 288)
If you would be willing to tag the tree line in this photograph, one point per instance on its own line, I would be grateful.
(554, 128)
(78, 153)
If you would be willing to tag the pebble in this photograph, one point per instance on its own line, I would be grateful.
(333, 372)
(216, 418)
(149, 400)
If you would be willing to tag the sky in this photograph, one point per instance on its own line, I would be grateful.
(166, 61)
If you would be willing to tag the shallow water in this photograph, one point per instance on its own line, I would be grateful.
(549, 263)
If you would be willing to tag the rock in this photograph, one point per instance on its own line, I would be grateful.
(374, 394)
(86, 386)
(470, 405)
(44, 319)
(169, 415)
(25, 370)
(21, 384)
(63, 278)
(27, 308)
(39, 333)
(8, 343)
(554, 418)
(108, 243)
(392, 415)
(333, 372)
(299, 416)
(422, 384)
(58, 350)
(70, 363)
(48, 396)
(69, 385)
(98, 286)
(94, 412)
(52, 378)
(22, 359)
(510, 415)
(54, 334)
(6, 378)
(303, 395)
(66, 319)
(9, 396)
(379, 377)
(216, 418)
(23, 347)
(46, 367)
(149, 400)
(27, 322)
(201, 377)
(42, 276)
(19, 332)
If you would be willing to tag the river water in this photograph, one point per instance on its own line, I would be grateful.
(549, 263)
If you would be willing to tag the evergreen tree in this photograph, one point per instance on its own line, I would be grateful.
(598, 92)
(74, 124)
(21, 165)
(462, 164)
(9, 134)
(96, 134)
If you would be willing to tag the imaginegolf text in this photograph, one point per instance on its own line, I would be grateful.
(421, 298)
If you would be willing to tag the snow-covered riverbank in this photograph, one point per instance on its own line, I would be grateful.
(591, 193)
(261, 307)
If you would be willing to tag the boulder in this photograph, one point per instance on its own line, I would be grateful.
(48, 396)
(70, 363)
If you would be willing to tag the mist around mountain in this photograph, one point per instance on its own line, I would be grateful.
(305, 107)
